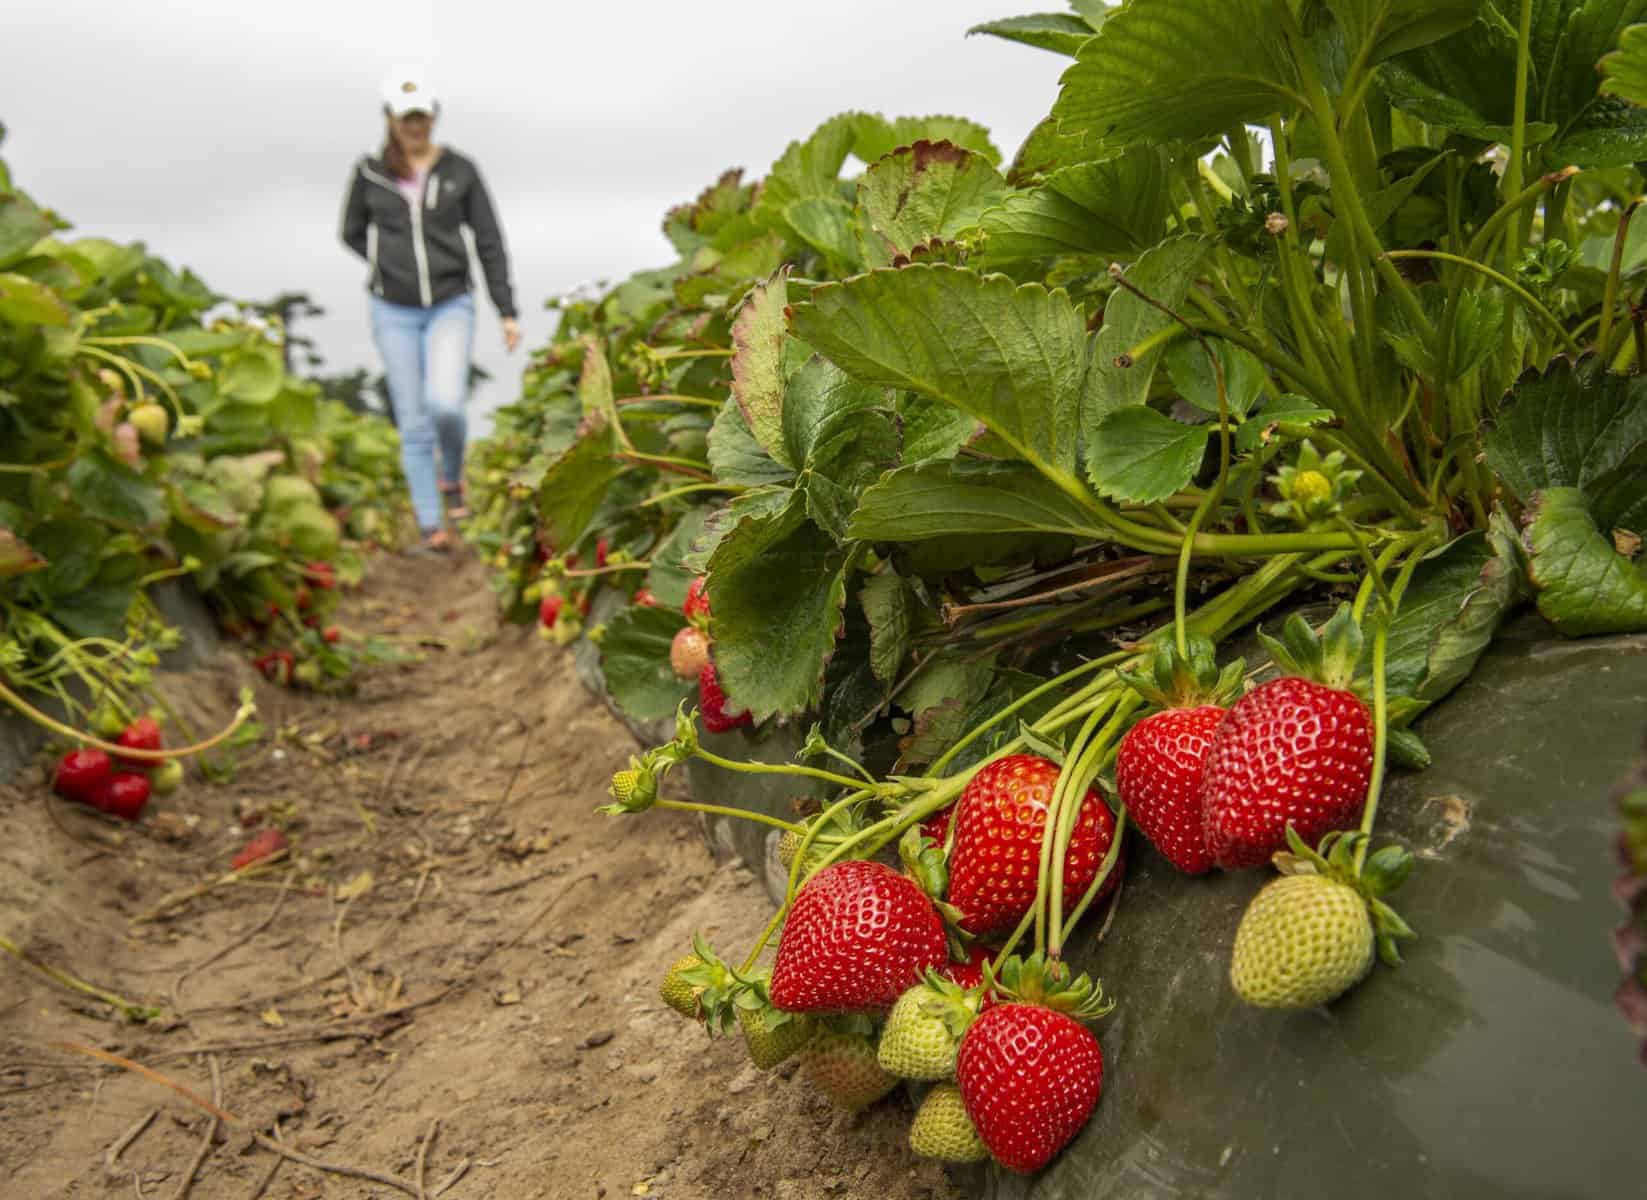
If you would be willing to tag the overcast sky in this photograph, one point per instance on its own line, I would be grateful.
(222, 134)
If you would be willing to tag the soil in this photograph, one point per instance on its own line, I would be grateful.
(458, 947)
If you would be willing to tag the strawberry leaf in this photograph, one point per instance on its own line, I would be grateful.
(937, 500)
(779, 580)
(1061, 33)
(888, 605)
(1110, 209)
(758, 365)
(1572, 426)
(635, 662)
(1143, 456)
(919, 192)
(1164, 273)
(1584, 585)
(1011, 356)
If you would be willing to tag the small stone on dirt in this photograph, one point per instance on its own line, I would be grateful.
(596, 1040)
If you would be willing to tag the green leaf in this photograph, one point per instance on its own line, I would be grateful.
(852, 450)
(22, 224)
(73, 550)
(817, 400)
(932, 429)
(253, 375)
(1142, 456)
(1192, 374)
(595, 381)
(920, 192)
(1178, 70)
(888, 606)
(1477, 324)
(874, 136)
(825, 224)
(1110, 209)
(1061, 33)
(736, 457)
(669, 576)
(1452, 609)
(806, 170)
(1287, 407)
(758, 364)
(757, 502)
(574, 487)
(1584, 585)
(1164, 273)
(1010, 356)
(780, 581)
(1394, 26)
(935, 500)
(1569, 427)
(635, 662)
(1624, 71)
(96, 611)
(24, 301)
(940, 699)
(1464, 83)
(113, 492)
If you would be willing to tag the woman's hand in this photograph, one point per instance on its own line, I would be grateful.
(511, 334)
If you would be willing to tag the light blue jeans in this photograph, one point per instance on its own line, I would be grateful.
(426, 355)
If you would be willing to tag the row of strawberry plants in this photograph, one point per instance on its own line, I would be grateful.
(150, 431)
(1322, 308)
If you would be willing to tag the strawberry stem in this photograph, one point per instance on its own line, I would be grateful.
(1105, 869)
(154, 756)
(1381, 707)
(719, 810)
(1092, 762)
(750, 768)
(1047, 875)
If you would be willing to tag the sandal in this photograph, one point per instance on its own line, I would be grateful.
(437, 543)
(456, 496)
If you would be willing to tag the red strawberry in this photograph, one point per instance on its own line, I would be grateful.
(1295, 750)
(689, 652)
(936, 827)
(601, 547)
(1029, 1077)
(124, 795)
(321, 575)
(859, 934)
(549, 609)
(1158, 778)
(82, 774)
(645, 598)
(696, 607)
(260, 845)
(996, 856)
(712, 701)
(141, 734)
(331, 633)
(968, 974)
(276, 665)
(1289, 750)
(1160, 761)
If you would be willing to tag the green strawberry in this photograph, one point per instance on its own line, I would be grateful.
(924, 1029)
(678, 992)
(842, 1066)
(772, 1035)
(1304, 940)
(1308, 937)
(700, 986)
(943, 1131)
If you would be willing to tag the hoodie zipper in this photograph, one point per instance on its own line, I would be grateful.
(419, 250)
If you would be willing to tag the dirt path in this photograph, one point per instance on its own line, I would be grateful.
(459, 940)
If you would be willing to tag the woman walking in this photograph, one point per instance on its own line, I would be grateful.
(404, 214)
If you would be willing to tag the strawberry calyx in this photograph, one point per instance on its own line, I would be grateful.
(1331, 657)
(1172, 680)
(952, 1002)
(715, 986)
(1047, 982)
(1382, 872)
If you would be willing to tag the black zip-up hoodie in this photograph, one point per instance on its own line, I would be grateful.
(416, 252)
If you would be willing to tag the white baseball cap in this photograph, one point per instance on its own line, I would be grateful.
(406, 89)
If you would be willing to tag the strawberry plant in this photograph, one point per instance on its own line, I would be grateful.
(1322, 318)
(149, 432)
